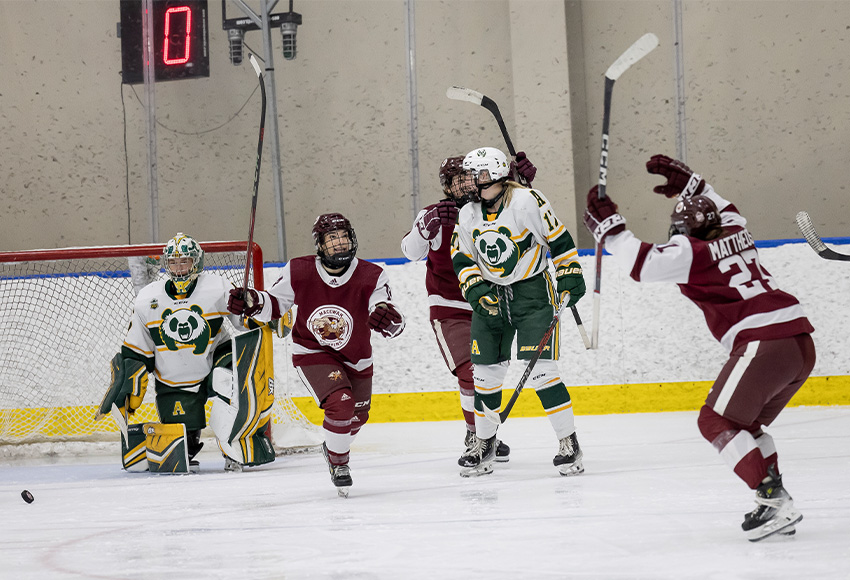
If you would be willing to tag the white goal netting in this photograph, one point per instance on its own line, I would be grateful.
(64, 316)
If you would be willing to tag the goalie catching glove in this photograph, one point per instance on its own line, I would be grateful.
(480, 296)
(386, 320)
(601, 217)
(681, 181)
(244, 302)
(570, 283)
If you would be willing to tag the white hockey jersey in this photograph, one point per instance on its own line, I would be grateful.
(181, 334)
(510, 245)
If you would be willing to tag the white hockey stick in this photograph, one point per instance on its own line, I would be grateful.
(804, 222)
(643, 46)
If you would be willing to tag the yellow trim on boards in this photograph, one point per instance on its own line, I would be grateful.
(445, 405)
(587, 400)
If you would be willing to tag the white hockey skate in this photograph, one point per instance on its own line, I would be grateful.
(568, 459)
(232, 466)
(775, 513)
(478, 459)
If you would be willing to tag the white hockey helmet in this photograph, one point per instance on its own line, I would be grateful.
(487, 164)
(178, 247)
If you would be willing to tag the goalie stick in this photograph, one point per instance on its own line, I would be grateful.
(804, 222)
(256, 66)
(642, 46)
(499, 418)
(463, 94)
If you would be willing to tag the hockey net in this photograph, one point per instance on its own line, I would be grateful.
(64, 316)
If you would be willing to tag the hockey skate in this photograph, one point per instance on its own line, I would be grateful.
(340, 474)
(478, 459)
(775, 512)
(232, 466)
(568, 459)
(503, 452)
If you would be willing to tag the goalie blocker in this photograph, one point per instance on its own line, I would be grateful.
(240, 415)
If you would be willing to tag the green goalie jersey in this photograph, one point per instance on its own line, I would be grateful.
(510, 245)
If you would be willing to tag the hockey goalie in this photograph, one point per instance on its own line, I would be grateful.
(177, 334)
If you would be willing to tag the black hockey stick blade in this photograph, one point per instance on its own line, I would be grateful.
(804, 222)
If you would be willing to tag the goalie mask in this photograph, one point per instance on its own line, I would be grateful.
(457, 184)
(696, 217)
(184, 260)
(335, 240)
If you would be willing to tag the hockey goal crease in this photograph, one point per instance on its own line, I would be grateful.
(64, 316)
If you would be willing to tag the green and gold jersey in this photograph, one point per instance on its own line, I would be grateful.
(510, 245)
(180, 332)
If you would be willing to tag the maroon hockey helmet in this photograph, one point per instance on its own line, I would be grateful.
(696, 216)
(455, 184)
(331, 222)
(450, 167)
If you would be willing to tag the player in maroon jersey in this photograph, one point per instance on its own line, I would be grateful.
(450, 313)
(339, 301)
(713, 259)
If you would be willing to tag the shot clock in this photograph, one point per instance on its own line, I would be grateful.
(180, 40)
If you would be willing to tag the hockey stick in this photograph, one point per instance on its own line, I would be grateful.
(256, 66)
(804, 222)
(499, 418)
(642, 46)
(463, 94)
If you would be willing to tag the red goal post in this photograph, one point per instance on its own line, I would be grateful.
(63, 317)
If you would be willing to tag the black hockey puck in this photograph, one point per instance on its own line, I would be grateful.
(27, 496)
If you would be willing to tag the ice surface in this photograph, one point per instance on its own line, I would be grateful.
(655, 502)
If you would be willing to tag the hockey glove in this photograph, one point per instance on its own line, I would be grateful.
(244, 304)
(386, 320)
(443, 214)
(570, 283)
(601, 217)
(523, 168)
(479, 295)
(681, 180)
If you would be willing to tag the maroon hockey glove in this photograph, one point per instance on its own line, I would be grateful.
(240, 304)
(443, 214)
(680, 179)
(601, 217)
(523, 168)
(386, 320)
(571, 283)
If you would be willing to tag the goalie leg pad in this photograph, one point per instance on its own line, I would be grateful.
(129, 385)
(165, 448)
(133, 451)
(240, 421)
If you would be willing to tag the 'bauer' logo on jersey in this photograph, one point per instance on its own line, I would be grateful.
(331, 325)
(498, 249)
(186, 326)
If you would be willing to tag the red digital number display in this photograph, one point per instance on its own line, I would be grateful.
(177, 36)
(180, 40)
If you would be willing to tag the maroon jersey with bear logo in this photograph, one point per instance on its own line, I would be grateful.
(331, 324)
